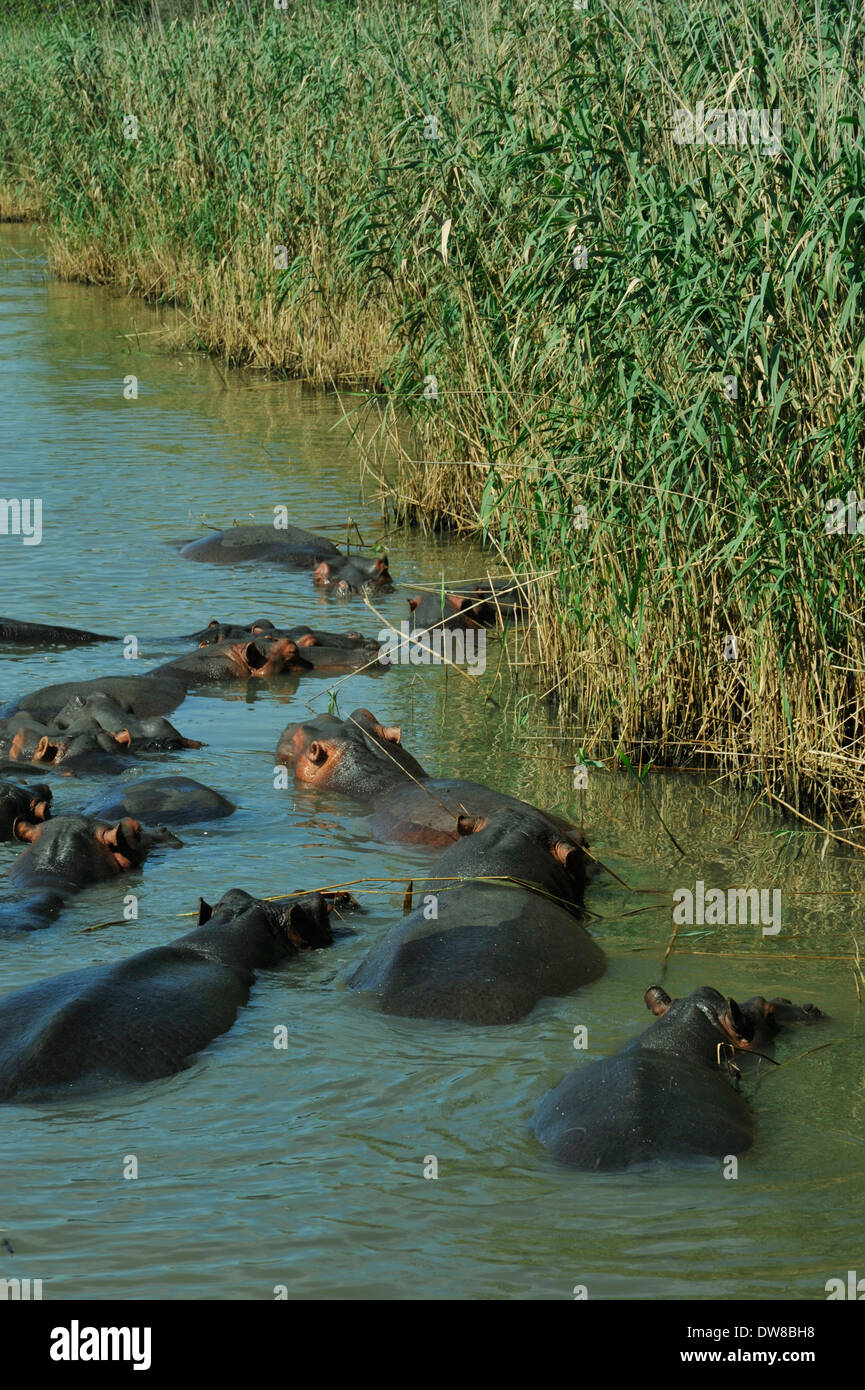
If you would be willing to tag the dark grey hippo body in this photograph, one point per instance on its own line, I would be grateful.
(90, 733)
(47, 635)
(144, 1017)
(66, 855)
(161, 800)
(494, 949)
(283, 545)
(458, 612)
(304, 636)
(352, 574)
(141, 696)
(88, 747)
(667, 1094)
(261, 657)
(24, 806)
(364, 759)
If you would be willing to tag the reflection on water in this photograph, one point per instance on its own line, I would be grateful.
(305, 1167)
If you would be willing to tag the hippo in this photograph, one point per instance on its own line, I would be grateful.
(282, 545)
(259, 658)
(141, 696)
(351, 574)
(497, 929)
(295, 548)
(511, 596)
(86, 747)
(666, 1095)
(66, 855)
(454, 611)
(217, 631)
(317, 651)
(47, 635)
(147, 1016)
(24, 806)
(161, 800)
(91, 733)
(363, 759)
(151, 735)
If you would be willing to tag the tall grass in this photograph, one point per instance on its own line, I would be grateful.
(451, 248)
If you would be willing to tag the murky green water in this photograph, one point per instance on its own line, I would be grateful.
(304, 1167)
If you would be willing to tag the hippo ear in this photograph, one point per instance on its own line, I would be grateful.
(564, 850)
(413, 603)
(321, 573)
(307, 923)
(214, 622)
(205, 912)
(391, 733)
(470, 825)
(24, 830)
(657, 1000)
(738, 1026)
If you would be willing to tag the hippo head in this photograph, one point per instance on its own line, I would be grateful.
(85, 740)
(705, 1012)
(264, 657)
(217, 631)
(357, 755)
(290, 925)
(24, 806)
(706, 1017)
(78, 850)
(520, 843)
(454, 611)
(351, 574)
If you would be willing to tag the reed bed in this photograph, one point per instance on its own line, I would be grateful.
(634, 366)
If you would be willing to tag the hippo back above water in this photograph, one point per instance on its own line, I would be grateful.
(144, 1017)
(365, 759)
(497, 930)
(667, 1095)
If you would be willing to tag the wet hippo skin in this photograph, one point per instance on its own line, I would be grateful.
(144, 1017)
(493, 949)
(364, 759)
(66, 855)
(47, 635)
(161, 800)
(667, 1094)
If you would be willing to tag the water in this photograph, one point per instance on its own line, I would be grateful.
(304, 1167)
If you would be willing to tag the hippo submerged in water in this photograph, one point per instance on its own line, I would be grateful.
(161, 801)
(20, 634)
(66, 855)
(139, 696)
(295, 548)
(144, 1017)
(22, 806)
(91, 732)
(666, 1095)
(497, 929)
(364, 759)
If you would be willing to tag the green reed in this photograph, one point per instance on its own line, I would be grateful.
(435, 177)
